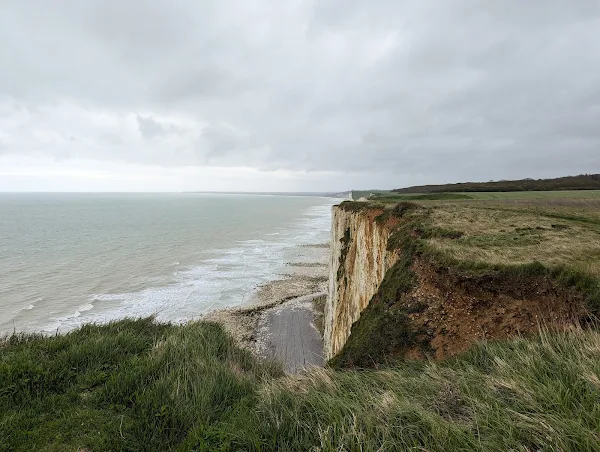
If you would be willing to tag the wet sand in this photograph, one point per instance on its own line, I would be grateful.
(287, 333)
(279, 321)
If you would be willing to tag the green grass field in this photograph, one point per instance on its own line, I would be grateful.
(390, 197)
(141, 386)
(571, 194)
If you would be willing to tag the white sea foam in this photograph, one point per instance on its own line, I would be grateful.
(230, 278)
(176, 262)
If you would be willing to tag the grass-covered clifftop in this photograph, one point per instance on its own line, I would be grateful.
(471, 271)
(141, 386)
(391, 197)
(128, 385)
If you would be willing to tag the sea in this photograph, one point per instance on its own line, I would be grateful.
(70, 259)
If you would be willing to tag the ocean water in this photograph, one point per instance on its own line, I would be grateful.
(68, 259)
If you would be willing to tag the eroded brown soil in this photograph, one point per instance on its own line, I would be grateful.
(456, 311)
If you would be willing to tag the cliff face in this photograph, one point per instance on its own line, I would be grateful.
(406, 303)
(359, 261)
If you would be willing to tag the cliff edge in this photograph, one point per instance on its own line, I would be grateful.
(359, 261)
(429, 280)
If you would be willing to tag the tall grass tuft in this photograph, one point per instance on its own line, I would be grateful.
(141, 386)
(128, 385)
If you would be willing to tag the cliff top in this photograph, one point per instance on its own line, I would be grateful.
(553, 232)
(137, 385)
(476, 270)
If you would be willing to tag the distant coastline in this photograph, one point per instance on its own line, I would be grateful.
(310, 194)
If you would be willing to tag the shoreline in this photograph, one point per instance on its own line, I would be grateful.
(288, 333)
(254, 327)
(187, 264)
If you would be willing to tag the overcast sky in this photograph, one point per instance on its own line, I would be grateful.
(295, 94)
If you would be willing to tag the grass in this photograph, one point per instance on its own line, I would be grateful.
(520, 235)
(391, 197)
(561, 194)
(538, 394)
(577, 210)
(138, 385)
(384, 328)
(128, 385)
(512, 243)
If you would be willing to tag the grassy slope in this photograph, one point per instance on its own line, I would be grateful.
(572, 194)
(511, 242)
(552, 232)
(136, 385)
(390, 197)
(129, 385)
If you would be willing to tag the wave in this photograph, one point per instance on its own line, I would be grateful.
(223, 278)
(81, 309)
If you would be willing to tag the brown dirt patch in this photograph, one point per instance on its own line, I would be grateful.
(457, 310)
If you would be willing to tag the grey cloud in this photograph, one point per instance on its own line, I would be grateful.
(111, 139)
(149, 127)
(442, 89)
(220, 139)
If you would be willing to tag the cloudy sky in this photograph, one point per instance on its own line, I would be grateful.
(296, 94)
